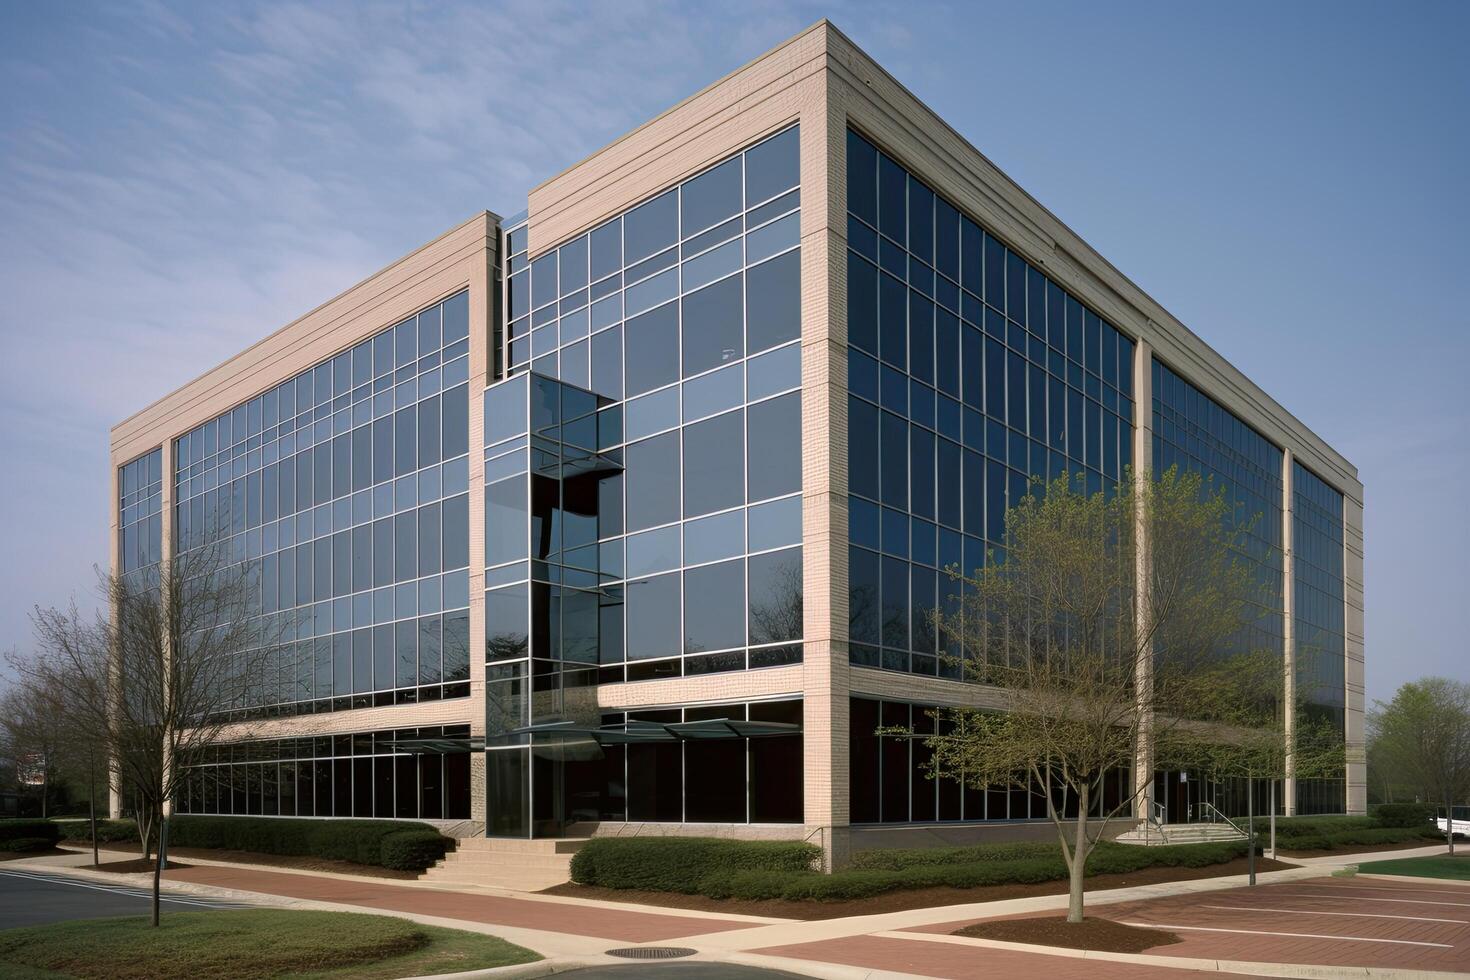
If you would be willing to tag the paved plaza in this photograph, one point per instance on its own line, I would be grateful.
(1299, 922)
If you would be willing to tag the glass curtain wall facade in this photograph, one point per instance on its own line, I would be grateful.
(969, 373)
(628, 535)
(356, 775)
(889, 783)
(346, 491)
(1197, 434)
(140, 517)
(1318, 627)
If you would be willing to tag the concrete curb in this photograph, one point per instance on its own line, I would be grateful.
(516, 971)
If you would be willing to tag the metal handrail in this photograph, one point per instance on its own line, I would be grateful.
(1210, 808)
(1155, 818)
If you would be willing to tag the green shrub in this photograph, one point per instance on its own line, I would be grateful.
(27, 844)
(24, 829)
(680, 864)
(1316, 826)
(358, 841)
(1405, 815)
(1328, 838)
(412, 850)
(898, 858)
(997, 864)
(108, 831)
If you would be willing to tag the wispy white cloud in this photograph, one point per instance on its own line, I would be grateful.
(196, 177)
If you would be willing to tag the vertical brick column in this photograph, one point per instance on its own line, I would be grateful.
(824, 467)
(483, 276)
(1143, 465)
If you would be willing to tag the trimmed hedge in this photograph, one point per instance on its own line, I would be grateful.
(907, 870)
(108, 831)
(14, 844)
(1365, 836)
(12, 830)
(1405, 814)
(898, 858)
(680, 864)
(411, 850)
(358, 841)
(1287, 827)
(755, 870)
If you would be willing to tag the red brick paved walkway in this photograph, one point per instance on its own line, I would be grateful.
(1324, 921)
(581, 920)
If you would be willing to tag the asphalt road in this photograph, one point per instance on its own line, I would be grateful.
(30, 899)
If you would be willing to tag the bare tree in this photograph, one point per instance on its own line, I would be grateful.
(156, 679)
(1424, 734)
(32, 735)
(1092, 663)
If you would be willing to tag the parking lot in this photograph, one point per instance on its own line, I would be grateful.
(1364, 921)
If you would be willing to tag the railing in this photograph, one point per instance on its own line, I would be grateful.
(1155, 818)
(1207, 811)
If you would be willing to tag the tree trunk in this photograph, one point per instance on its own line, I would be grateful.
(1079, 860)
(1449, 824)
(92, 805)
(158, 863)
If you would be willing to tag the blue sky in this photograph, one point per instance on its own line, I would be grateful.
(177, 180)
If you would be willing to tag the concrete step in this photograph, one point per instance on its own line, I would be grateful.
(488, 859)
(1181, 834)
(515, 882)
(503, 845)
(523, 865)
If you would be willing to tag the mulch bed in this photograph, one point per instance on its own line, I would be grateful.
(282, 861)
(900, 901)
(1099, 934)
(134, 866)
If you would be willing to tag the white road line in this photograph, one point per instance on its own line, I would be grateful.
(1356, 915)
(1386, 888)
(1290, 935)
(1370, 898)
(119, 890)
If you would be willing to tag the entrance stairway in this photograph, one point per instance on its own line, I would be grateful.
(1180, 833)
(518, 865)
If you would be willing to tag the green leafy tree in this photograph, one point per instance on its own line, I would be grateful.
(1091, 656)
(1423, 734)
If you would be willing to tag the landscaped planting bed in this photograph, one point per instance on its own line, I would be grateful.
(755, 870)
(397, 844)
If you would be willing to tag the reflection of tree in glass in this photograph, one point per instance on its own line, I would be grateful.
(775, 597)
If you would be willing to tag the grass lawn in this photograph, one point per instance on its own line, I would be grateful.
(1434, 866)
(249, 944)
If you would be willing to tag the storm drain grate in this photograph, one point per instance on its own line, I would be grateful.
(651, 952)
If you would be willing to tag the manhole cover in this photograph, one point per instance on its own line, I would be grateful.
(651, 952)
